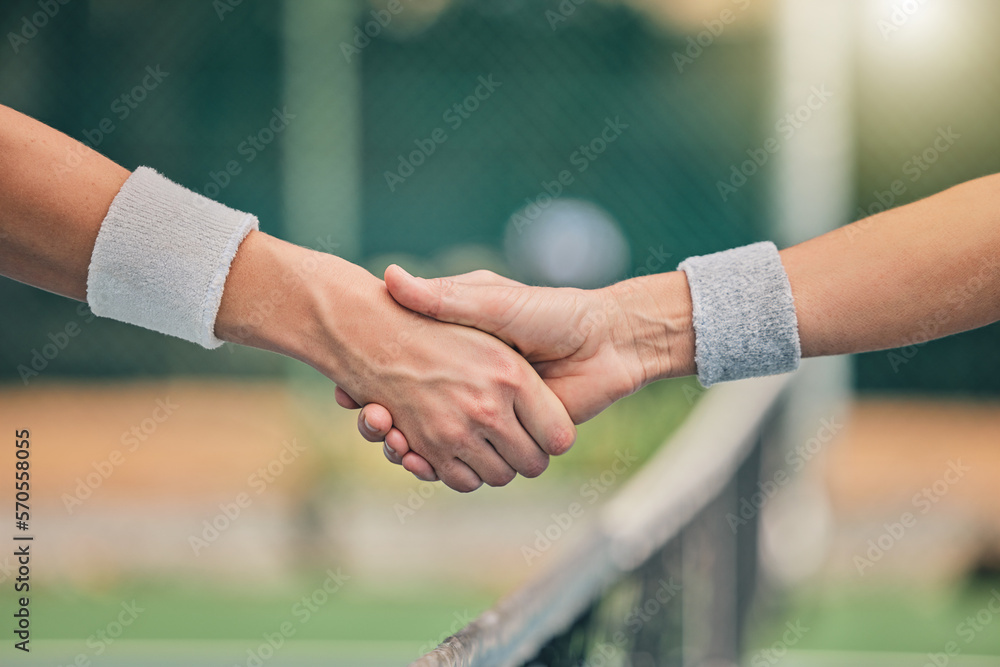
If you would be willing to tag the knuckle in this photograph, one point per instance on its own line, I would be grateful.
(560, 440)
(467, 485)
(443, 287)
(451, 435)
(487, 411)
(457, 477)
(509, 374)
(535, 467)
(440, 289)
(503, 478)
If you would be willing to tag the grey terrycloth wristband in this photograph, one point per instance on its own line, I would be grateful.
(162, 257)
(744, 315)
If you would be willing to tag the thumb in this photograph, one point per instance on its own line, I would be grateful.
(344, 399)
(488, 308)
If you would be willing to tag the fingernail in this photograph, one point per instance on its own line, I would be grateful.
(368, 425)
(390, 449)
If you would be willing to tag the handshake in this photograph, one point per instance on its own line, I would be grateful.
(476, 378)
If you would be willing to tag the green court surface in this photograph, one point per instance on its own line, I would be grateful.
(888, 619)
(189, 625)
(157, 653)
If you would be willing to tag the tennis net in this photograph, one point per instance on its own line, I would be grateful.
(661, 577)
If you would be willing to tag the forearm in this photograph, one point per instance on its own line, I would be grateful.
(915, 273)
(918, 272)
(54, 192)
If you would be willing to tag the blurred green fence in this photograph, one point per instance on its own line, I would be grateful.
(469, 111)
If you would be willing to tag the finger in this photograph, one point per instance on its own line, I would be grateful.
(488, 308)
(488, 464)
(419, 466)
(392, 456)
(459, 476)
(543, 416)
(374, 422)
(344, 400)
(585, 401)
(484, 277)
(519, 449)
(397, 442)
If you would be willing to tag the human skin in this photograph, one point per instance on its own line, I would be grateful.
(905, 276)
(472, 407)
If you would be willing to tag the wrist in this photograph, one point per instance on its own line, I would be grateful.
(277, 298)
(654, 329)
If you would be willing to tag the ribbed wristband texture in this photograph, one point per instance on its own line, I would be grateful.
(744, 315)
(162, 257)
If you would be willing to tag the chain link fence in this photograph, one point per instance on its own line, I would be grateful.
(470, 118)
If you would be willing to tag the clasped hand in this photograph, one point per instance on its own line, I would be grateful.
(589, 347)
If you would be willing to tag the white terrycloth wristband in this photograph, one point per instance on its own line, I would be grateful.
(162, 257)
(744, 315)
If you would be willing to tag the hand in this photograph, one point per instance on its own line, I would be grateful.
(592, 347)
(471, 407)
